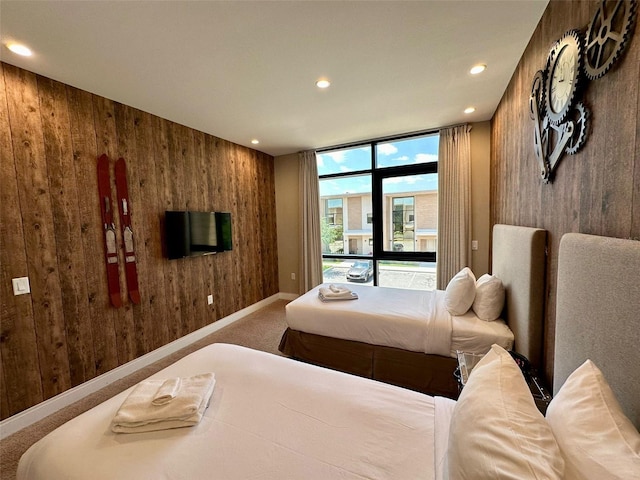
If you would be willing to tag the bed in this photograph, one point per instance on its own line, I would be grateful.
(407, 338)
(269, 417)
(272, 418)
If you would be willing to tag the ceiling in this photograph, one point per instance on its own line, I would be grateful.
(243, 70)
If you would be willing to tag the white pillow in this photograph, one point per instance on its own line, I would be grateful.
(596, 439)
(496, 430)
(460, 292)
(489, 300)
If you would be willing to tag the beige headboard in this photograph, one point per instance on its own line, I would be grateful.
(598, 313)
(519, 260)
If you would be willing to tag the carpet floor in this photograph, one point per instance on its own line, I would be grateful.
(260, 330)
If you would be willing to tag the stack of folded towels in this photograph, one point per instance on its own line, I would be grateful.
(163, 404)
(336, 292)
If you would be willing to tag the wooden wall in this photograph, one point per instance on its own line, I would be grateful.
(596, 191)
(65, 332)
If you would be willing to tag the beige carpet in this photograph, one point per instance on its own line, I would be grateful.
(260, 330)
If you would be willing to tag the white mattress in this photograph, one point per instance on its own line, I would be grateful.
(415, 320)
(472, 335)
(269, 418)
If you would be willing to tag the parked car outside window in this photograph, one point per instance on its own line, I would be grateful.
(360, 271)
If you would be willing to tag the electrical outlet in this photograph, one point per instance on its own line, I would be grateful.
(474, 244)
(21, 285)
(210, 299)
(293, 276)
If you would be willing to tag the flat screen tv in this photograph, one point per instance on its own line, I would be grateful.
(191, 234)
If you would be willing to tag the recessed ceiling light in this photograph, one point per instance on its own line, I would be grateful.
(323, 83)
(469, 110)
(19, 49)
(476, 69)
(255, 141)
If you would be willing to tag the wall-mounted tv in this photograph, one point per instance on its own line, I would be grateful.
(190, 234)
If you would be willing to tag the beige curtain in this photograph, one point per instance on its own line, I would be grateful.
(310, 243)
(454, 203)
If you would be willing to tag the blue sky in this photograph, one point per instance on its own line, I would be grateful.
(402, 152)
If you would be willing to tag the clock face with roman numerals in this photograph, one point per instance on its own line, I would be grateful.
(563, 81)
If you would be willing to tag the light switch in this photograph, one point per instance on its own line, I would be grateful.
(474, 244)
(21, 285)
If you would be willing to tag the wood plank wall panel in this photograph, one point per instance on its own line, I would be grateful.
(39, 233)
(171, 324)
(145, 208)
(64, 200)
(66, 332)
(20, 384)
(596, 191)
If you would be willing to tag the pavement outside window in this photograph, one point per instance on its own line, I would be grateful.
(411, 275)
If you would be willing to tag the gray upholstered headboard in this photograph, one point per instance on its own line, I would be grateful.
(519, 260)
(598, 313)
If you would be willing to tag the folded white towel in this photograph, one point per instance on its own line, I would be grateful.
(339, 289)
(328, 293)
(334, 292)
(167, 391)
(138, 413)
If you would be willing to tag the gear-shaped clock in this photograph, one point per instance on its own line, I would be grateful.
(608, 35)
(554, 94)
(565, 76)
(561, 120)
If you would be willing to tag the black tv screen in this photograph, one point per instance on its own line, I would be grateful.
(190, 233)
(223, 222)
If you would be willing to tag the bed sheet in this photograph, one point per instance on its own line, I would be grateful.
(414, 320)
(472, 335)
(269, 418)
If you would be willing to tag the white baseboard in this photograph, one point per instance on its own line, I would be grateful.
(288, 296)
(52, 405)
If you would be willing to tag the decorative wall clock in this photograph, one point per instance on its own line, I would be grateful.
(561, 119)
(565, 76)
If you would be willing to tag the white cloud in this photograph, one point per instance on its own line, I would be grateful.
(329, 187)
(400, 180)
(408, 180)
(387, 149)
(337, 157)
(426, 158)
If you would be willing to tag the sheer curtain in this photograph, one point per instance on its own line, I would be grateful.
(310, 243)
(454, 203)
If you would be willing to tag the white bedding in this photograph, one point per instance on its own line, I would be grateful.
(472, 335)
(269, 418)
(415, 320)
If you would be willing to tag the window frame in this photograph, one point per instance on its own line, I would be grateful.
(378, 175)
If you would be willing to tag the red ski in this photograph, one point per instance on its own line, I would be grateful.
(127, 231)
(110, 244)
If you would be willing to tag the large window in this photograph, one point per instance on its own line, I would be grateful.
(379, 211)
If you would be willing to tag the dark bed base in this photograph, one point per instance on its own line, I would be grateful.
(430, 374)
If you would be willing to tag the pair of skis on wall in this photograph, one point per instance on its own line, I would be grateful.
(110, 241)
